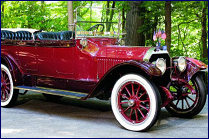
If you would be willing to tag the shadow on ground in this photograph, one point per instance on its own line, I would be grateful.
(93, 117)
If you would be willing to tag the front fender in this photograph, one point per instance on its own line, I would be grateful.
(147, 67)
(198, 63)
(193, 66)
(110, 77)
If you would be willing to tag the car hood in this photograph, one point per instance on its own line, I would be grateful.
(123, 52)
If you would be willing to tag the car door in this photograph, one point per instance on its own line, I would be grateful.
(55, 62)
(45, 62)
(64, 58)
(45, 58)
(27, 54)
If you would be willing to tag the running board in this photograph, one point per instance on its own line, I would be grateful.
(71, 94)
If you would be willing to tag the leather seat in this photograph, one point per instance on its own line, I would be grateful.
(6, 34)
(47, 36)
(24, 35)
(19, 35)
(64, 35)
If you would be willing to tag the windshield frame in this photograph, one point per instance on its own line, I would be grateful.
(84, 36)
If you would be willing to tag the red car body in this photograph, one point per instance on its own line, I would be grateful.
(64, 65)
(47, 64)
(91, 61)
(69, 68)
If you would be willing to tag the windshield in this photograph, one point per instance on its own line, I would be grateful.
(97, 22)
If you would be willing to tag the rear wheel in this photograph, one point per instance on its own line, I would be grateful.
(8, 94)
(135, 102)
(189, 99)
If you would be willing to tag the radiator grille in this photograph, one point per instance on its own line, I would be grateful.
(106, 64)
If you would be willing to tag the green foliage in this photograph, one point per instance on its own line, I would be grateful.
(186, 26)
(186, 29)
(49, 16)
(52, 16)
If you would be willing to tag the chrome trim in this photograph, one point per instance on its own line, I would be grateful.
(164, 62)
(84, 42)
(152, 51)
(50, 93)
(178, 63)
(204, 70)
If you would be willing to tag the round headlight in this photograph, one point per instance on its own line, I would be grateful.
(181, 63)
(84, 42)
(161, 65)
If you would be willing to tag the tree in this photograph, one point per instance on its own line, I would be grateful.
(168, 24)
(110, 13)
(204, 30)
(133, 22)
(70, 15)
(139, 20)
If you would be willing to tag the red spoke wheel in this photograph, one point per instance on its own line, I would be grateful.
(189, 97)
(8, 95)
(135, 102)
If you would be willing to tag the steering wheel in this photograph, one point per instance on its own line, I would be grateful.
(96, 27)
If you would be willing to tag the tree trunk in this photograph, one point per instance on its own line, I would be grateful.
(155, 25)
(111, 16)
(133, 22)
(70, 15)
(204, 31)
(107, 12)
(168, 24)
(123, 20)
(91, 10)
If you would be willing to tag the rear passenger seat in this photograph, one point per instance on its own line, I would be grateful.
(64, 35)
(26, 35)
(6, 34)
(19, 35)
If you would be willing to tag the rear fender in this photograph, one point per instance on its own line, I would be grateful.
(13, 67)
(109, 79)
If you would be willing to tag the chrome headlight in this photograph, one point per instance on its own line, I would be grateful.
(181, 64)
(84, 42)
(161, 65)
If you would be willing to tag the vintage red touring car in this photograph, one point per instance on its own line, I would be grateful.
(91, 62)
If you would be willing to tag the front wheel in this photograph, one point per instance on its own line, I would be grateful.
(8, 95)
(135, 102)
(189, 99)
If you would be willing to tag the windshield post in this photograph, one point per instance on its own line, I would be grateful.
(119, 24)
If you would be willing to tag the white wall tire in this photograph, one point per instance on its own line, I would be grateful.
(136, 110)
(8, 95)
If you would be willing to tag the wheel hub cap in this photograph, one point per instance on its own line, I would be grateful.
(131, 102)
